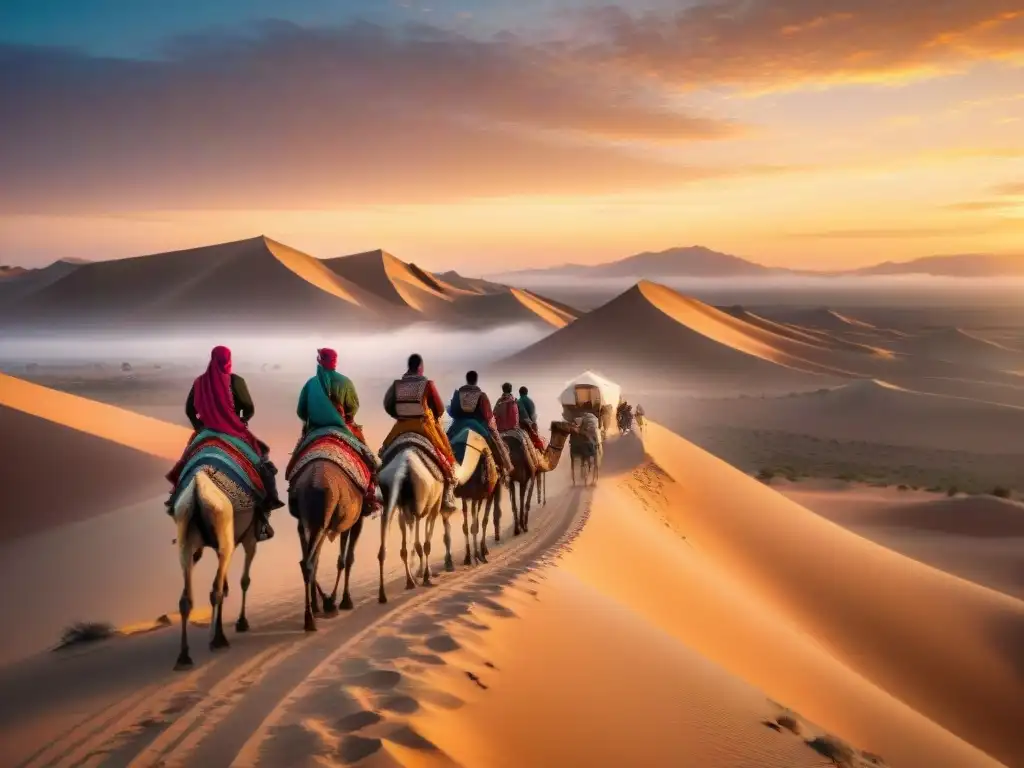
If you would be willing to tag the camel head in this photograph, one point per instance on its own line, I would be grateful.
(560, 431)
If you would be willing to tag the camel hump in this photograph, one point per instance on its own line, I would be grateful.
(474, 440)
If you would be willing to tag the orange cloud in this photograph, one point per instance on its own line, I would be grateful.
(787, 43)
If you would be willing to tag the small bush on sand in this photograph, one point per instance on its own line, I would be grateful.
(1000, 492)
(835, 750)
(952, 491)
(789, 722)
(765, 475)
(86, 632)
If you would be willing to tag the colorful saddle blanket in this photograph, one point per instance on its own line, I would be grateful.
(338, 446)
(537, 461)
(223, 453)
(460, 445)
(420, 443)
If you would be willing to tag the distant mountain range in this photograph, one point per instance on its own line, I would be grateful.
(698, 261)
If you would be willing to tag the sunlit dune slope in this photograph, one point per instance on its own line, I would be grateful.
(957, 346)
(254, 281)
(824, 319)
(846, 632)
(65, 458)
(511, 307)
(472, 284)
(652, 329)
(806, 335)
(390, 279)
(875, 411)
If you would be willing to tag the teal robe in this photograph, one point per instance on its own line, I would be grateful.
(316, 409)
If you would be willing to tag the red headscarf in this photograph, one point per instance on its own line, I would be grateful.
(328, 358)
(215, 404)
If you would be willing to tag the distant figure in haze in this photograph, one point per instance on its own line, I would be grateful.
(219, 401)
(528, 418)
(329, 399)
(470, 407)
(415, 405)
(641, 421)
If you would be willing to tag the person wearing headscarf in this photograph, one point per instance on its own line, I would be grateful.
(219, 401)
(329, 399)
(416, 406)
(528, 418)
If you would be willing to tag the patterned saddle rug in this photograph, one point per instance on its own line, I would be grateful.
(339, 447)
(420, 443)
(537, 461)
(224, 454)
(460, 445)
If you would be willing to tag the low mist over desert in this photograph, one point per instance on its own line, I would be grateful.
(509, 385)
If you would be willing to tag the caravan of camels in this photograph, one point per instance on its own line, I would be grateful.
(224, 485)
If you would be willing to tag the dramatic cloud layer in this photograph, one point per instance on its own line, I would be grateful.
(294, 117)
(785, 43)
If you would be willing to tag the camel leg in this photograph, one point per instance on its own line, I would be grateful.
(312, 564)
(477, 504)
(331, 601)
(494, 498)
(404, 525)
(185, 551)
(418, 548)
(526, 500)
(572, 468)
(428, 535)
(449, 563)
(466, 507)
(350, 560)
(515, 507)
(385, 518)
(217, 592)
(249, 545)
(497, 514)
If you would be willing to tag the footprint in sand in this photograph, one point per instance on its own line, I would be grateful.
(400, 705)
(357, 721)
(378, 680)
(442, 644)
(355, 748)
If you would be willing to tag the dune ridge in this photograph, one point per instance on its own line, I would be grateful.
(858, 600)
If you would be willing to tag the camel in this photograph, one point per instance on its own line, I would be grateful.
(326, 503)
(579, 450)
(410, 488)
(525, 478)
(476, 495)
(213, 504)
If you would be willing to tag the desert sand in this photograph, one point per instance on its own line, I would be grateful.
(725, 610)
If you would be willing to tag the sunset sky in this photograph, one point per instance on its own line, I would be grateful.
(490, 135)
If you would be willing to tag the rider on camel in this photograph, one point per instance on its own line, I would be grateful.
(506, 412)
(413, 402)
(329, 399)
(219, 401)
(528, 418)
(471, 407)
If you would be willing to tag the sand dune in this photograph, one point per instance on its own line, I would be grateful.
(824, 319)
(652, 329)
(875, 411)
(24, 284)
(472, 284)
(725, 598)
(391, 279)
(65, 458)
(958, 346)
(250, 282)
(781, 576)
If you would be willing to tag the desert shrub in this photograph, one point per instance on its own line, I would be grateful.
(126, 367)
(952, 491)
(765, 475)
(834, 749)
(789, 722)
(1000, 492)
(83, 632)
(902, 487)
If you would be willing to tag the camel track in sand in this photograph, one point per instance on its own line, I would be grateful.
(221, 712)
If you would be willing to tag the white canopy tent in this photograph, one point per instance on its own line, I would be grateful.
(590, 390)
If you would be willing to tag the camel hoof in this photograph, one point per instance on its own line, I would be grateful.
(329, 606)
(310, 625)
(467, 561)
(410, 584)
(219, 643)
(382, 598)
(449, 565)
(242, 625)
(346, 603)
(184, 662)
